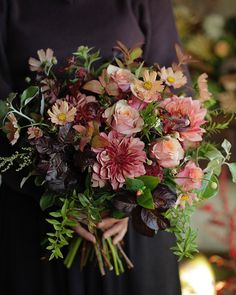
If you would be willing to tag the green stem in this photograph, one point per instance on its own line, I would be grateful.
(22, 115)
(72, 252)
(114, 255)
(99, 259)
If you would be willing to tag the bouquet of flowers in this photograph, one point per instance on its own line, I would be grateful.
(119, 139)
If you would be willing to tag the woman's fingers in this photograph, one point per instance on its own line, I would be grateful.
(119, 228)
(84, 233)
(119, 237)
(107, 223)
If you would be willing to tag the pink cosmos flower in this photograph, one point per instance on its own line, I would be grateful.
(122, 77)
(168, 152)
(190, 177)
(149, 89)
(34, 132)
(172, 78)
(204, 93)
(117, 158)
(182, 107)
(123, 118)
(62, 113)
(12, 129)
(45, 58)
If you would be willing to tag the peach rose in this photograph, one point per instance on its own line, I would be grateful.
(190, 177)
(168, 152)
(123, 118)
(122, 77)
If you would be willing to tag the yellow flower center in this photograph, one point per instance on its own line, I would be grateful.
(61, 117)
(147, 85)
(185, 198)
(171, 79)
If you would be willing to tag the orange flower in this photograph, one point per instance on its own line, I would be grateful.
(149, 89)
(61, 113)
(12, 129)
(45, 58)
(34, 132)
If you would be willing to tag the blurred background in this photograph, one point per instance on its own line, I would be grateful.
(207, 29)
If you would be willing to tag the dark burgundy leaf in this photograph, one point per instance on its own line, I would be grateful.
(150, 219)
(66, 134)
(84, 159)
(139, 225)
(124, 201)
(164, 197)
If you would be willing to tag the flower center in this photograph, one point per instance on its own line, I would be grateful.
(61, 117)
(147, 85)
(185, 198)
(171, 79)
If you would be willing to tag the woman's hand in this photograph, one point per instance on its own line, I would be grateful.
(112, 227)
(81, 231)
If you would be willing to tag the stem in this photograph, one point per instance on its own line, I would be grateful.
(99, 259)
(22, 115)
(126, 258)
(72, 252)
(114, 255)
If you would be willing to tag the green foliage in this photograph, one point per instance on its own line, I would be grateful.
(29, 94)
(145, 199)
(179, 219)
(232, 169)
(85, 57)
(150, 181)
(215, 127)
(134, 184)
(47, 200)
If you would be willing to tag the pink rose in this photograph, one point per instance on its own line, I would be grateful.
(123, 118)
(168, 152)
(122, 77)
(190, 177)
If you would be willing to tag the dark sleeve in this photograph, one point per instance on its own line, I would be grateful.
(11, 178)
(157, 22)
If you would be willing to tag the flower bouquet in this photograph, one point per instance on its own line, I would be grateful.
(116, 139)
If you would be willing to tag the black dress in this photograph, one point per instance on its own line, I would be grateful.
(25, 27)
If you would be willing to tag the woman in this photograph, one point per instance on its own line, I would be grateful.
(25, 27)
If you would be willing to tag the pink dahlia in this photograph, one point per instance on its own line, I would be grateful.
(182, 107)
(118, 158)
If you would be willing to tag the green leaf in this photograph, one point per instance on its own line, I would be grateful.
(210, 186)
(146, 200)
(53, 221)
(136, 53)
(232, 169)
(118, 214)
(3, 109)
(29, 94)
(226, 145)
(55, 214)
(150, 181)
(83, 200)
(47, 200)
(64, 208)
(134, 184)
(214, 166)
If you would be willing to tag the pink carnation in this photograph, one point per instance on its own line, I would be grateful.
(168, 152)
(123, 118)
(190, 177)
(120, 157)
(183, 107)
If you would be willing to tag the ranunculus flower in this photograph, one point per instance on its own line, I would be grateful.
(123, 118)
(62, 113)
(122, 77)
(168, 152)
(186, 107)
(34, 132)
(190, 177)
(12, 129)
(149, 89)
(119, 157)
(172, 78)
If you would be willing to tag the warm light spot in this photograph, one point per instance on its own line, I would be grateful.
(171, 79)
(61, 117)
(197, 277)
(147, 85)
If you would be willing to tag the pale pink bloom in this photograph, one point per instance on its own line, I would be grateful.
(123, 118)
(182, 107)
(86, 134)
(34, 132)
(167, 151)
(204, 93)
(45, 58)
(185, 198)
(121, 157)
(190, 177)
(122, 77)
(62, 113)
(12, 129)
(149, 88)
(172, 78)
